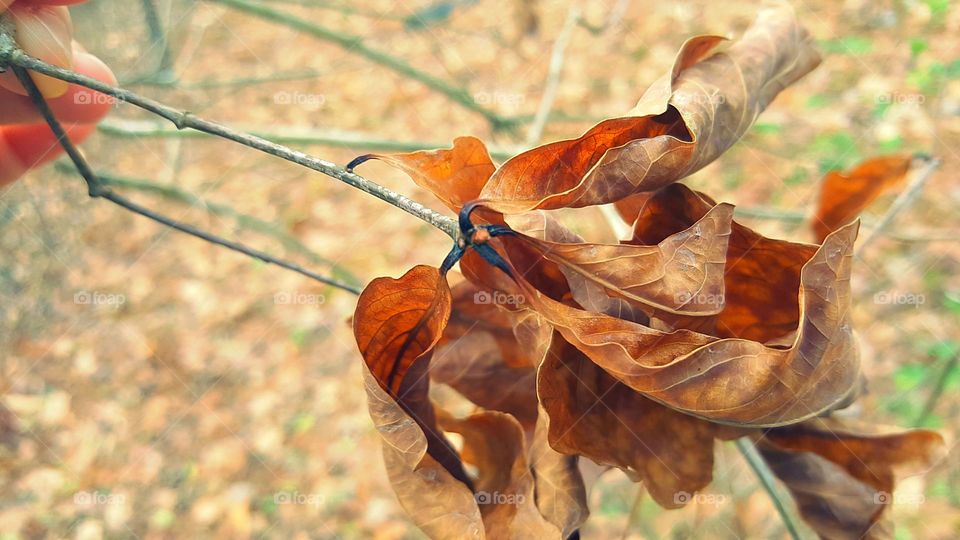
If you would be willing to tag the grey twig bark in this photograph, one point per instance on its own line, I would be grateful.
(291, 135)
(243, 221)
(11, 55)
(96, 188)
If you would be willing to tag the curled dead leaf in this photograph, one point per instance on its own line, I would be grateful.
(682, 123)
(455, 175)
(760, 274)
(734, 381)
(671, 276)
(842, 475)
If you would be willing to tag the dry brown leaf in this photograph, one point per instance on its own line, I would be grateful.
(494, 443)
(436, 499)
(398, 320)
(734, 381)
(474, 366)
(478, 310)
(561, 493)
(760, 275)
(594, 415)
(842, 475)
(682, 123)
(397, 324)
(683, 274)
(844, 195)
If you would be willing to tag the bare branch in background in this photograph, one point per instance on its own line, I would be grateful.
(355, 45)
(243, 221)
(535, 131)
(919, 177)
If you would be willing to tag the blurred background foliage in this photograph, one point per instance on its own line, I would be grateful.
(156, 386)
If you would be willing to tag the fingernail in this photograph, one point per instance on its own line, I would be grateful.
(45, 32)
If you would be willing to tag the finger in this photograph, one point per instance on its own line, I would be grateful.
(25, 147)
(44, 32)
(78, 104)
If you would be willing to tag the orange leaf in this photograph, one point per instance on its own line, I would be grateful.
(399, 320)
(454, 175)
(844, 195)
(682, 123)
(760, 274)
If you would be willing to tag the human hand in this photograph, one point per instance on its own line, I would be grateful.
(44, 30)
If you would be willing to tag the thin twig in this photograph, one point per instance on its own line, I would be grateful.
(612, 21)
(621, 229)
(921, 173)
(97, 189)
(242, 220)
(635, 511)
(292, 135)
(158, 37)
(760, 468)
(243, 82)
(344, 9)
(937, 391)
(775, 214)
(355, 45)
(11, 55)
(557, 56)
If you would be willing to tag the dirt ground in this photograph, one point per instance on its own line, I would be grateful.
(162, 387)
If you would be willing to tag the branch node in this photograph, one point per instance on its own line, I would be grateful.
(182, 121)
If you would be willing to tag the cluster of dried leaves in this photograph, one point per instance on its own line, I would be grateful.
(637, 355)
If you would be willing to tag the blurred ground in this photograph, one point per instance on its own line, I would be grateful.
(162, 387)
